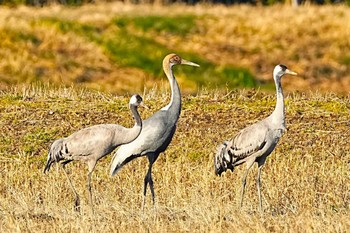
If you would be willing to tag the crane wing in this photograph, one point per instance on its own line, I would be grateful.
(248, 141)
(98, 140)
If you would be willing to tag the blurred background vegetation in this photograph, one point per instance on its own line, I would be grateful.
(118, 47)
(226, 2)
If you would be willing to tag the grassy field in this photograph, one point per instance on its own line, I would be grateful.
(63, 69)
(119, 47)
(305, 180)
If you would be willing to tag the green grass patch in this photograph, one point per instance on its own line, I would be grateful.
(345, 60)
(87, 30)
(28, 37)
(128, 49)
(179, 25)
(329, 106)
(10, 37)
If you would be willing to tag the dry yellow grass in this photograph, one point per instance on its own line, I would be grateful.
(59, 58)
(305, 181)
(312, 40)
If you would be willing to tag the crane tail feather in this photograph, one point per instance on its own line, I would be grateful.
(116, 164)
(48, 164)
(54, 154)
(119, 160)
(222, 159)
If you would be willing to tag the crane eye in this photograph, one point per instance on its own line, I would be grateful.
(176, 59)
(283, 67)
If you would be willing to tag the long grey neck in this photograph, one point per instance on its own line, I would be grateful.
(136, 115)
(174, 106)
(278, 114)
(127, 135)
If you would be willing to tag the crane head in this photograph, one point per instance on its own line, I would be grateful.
(174, 59)
(137, 100)
(281, 70)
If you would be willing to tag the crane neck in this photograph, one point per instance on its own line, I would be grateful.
(127, 135)
(136, 115)
(175, 102)
(279, 112)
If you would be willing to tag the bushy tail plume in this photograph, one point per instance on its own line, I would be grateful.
(55, 154)
(222, 160)
(118, 161)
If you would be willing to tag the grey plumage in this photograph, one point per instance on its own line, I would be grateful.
(255, 142)
(157, 131)
(93, 143)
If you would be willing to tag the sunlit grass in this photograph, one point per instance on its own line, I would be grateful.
(129, 49)
(305, 180)
(119, 47)
(175, 25)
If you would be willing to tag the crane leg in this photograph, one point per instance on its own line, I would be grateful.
(258, 181)
(91, 165)
(243, 186)
(148, 180)
(90, 192)
(151, 187)
(77, 198)
(249, 164)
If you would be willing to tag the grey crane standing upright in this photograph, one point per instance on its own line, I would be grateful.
(157, 131)
(93, 143)
(255, 142)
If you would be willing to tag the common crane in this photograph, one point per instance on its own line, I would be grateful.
(255, 142)
(91, 144)
(157, 131)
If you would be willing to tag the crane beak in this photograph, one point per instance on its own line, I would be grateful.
(290, 72)
(185, 62)
(142, 104)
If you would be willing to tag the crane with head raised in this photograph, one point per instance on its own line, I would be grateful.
(255, 142)
(158, 130)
